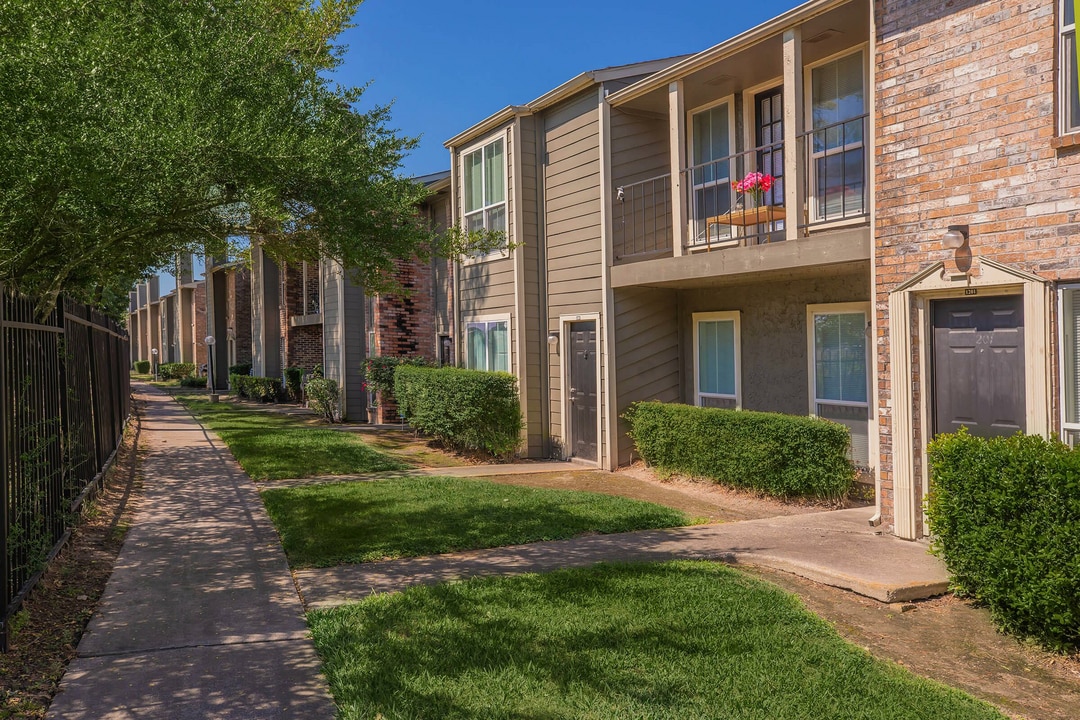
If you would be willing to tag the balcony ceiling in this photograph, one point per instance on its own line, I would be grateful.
(824, 35)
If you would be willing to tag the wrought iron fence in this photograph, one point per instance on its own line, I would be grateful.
(641, 220)
(835, 171)
(64, 401)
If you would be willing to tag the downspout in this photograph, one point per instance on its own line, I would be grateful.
(875, 445)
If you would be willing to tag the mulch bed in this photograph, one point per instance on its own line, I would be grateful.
(46, 631)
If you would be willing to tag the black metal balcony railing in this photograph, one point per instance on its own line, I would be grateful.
(719, 216)
(835, 171)
(641, 220)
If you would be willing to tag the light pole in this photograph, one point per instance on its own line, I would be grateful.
(153, 360)
(209, 340)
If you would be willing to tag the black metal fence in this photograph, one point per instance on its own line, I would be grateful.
(64, 401)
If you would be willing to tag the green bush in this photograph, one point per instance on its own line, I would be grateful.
(324, 397)
(1005, 515)
(193, 382)
(464, 409)
(142, 367)
(176, 371)
(293, 377)
(379, 372)
(256, 388)
(779, 455)
(241, 369)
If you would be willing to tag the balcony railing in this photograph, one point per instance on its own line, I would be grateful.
(721, 217)
(835, 172)
(641, 220)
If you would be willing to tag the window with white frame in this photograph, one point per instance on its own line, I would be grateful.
(839, 370)
(1070, 364)
(484, 187)
(488, 344)
(1068, 77)
(717, 367)
(837, 119)
(711, 133)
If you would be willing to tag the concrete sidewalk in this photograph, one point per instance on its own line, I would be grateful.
(200, 618)
(836, 548)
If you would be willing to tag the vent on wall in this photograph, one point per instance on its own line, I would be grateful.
(822, 36)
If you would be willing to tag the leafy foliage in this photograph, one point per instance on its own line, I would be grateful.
(1005, 515)
(240, 369)
(193, 382)
(293, 378)
(142, 367)
(324, 397)
(176, 371)
(780, 455)
(254, 387)
(379, 371)
(132, 130)
(464, 409)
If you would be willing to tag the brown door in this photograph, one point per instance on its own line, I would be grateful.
(978, 368)
(582, 391)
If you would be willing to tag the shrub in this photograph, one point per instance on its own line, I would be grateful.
(176, 371)
(193, 382)
(465, 409)
(241, 369)
(379, 372)
(256, 388)
(780, 455)
(1005, 514)
(142, 367)
(293, 378)
(324, 397)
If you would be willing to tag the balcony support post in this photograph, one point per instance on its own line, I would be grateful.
(794, 157)
(677, 134)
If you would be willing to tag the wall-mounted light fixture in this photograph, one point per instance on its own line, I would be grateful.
(620, 194)
(553, 341)
(956, 237)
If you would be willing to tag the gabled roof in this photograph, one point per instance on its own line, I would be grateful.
(434, 181)
(560, 93)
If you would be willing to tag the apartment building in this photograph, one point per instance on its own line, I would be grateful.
(172, 323)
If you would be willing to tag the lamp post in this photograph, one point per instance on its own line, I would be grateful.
(153, 360)
(209, 340)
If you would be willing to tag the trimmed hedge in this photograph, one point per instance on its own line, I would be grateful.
(241, 369)
(779, 455)
(1005, 515)
(142, 367)
(256, 388)
(193, 382)
(464, 409)
(176, 371)
(294, 376)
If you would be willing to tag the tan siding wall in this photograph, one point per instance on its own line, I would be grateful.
(639, 148)
(535, 349)
(647, 362)
(572, 230)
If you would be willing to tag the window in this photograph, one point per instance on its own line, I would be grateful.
(1069, 77)
(1070, 364)
(838, 157)
(710, 171)
(488, 345)
(485, 187)
(716, 360)
(839, 370)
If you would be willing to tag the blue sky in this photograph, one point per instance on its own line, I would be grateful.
(447, 65)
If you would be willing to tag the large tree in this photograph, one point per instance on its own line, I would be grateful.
(131, 130)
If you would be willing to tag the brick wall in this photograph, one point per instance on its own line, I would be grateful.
(198, 314)
(303, 343)
(238, 311)
(965, 114)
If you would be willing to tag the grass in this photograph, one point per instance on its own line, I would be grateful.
(323, 525)
(272, 446)
(670, 640)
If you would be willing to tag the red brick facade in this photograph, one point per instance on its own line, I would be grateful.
(198, 315)
(303, 343)
(238, 312)
(966, 135)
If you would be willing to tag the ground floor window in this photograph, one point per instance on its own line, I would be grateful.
(488, 344)
(1070, 364)
(716, 360)
(840, 370)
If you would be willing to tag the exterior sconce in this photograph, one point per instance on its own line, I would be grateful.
(956, 237)
(553, 341)
(619, 194)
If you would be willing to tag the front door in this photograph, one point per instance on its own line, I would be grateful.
(769, 135)
(978, 368)
(582, 391)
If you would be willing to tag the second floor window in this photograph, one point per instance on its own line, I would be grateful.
(484, 184)
(837, 115)
(1069, 78)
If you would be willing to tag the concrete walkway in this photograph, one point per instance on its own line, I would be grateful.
(200, 618)
(836, 548)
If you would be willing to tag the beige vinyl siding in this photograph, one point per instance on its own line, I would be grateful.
(572, 232)
(535, 347)
(343, 338)
(640, 147)
(647, 360)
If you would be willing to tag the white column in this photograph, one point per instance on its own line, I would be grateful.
(677, 134)
(794, 192)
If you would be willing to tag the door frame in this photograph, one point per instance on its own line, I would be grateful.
(911, 325)
(564, 379)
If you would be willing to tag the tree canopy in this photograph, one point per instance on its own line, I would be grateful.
(131, 130)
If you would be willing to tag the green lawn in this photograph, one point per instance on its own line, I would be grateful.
(271, 446)
(674, 640)
(323, 525)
